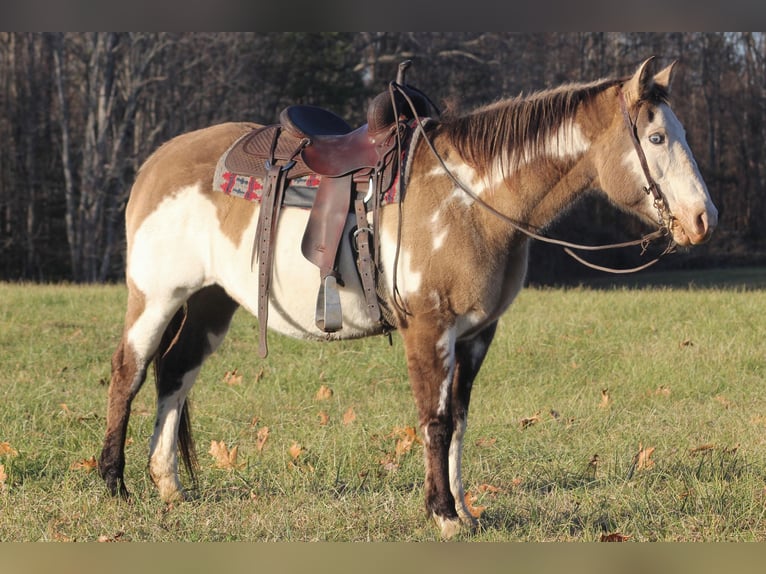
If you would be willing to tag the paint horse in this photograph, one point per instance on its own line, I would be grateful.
(454, 264)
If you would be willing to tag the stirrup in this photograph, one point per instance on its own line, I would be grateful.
(329, 317)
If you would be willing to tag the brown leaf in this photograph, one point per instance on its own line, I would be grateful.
(324, 393)
(224, 458)
(486, 441)
(488, 489)
(389, 463)
(686, 343)
(232, 378)
(86, 464)
(115, 538)
(324, 418)
(529, 421)
(295, 450)
(470, 500)
(406, 437)
(7, 450)
(606, 400)
(662, 390)
(703, 448)
(644, 458)
(349, 416)
(261, 437)
(614, 537)
(3, 478)
(723, 401)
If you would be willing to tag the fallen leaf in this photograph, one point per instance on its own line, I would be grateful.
(324, 418)
(65, 409)
(406, 437)
(606, 400)
(644, 458)
(686, 343)
(115, 538)
(261, 437)
(324, 393)
(614, 537)
(517, 481)
(349, 416)
(224, 458)
(662, 390)
(389, 463)
(488, 489)
(3, 478)
(470, 500)
(529, 421)
(86, 464)
(295, 450)
(7, 450)
(723, 401)
(232, 378)
(702, 449)
(486, 441)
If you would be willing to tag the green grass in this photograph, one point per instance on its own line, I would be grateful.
(683, 364)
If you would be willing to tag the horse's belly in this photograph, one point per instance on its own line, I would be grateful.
(295, 283)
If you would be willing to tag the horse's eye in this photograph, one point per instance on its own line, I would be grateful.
(656, 138)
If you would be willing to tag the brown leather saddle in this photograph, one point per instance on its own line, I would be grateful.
(313, 140)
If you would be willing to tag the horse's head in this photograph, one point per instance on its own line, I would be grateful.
(642, 108)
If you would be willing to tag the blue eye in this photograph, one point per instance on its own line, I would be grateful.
(656, 138)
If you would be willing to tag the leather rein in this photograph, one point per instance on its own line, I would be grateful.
(665, 217)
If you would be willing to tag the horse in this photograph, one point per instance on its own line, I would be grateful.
(450, 263)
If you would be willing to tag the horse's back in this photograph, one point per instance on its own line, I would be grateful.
(185, 160)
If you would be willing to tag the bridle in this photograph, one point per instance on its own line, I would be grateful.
(665, 217)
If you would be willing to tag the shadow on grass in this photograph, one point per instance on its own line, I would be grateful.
(734, 279)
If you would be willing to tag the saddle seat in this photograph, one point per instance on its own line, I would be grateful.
(334, 148)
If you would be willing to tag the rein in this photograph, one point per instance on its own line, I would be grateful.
(665, 218)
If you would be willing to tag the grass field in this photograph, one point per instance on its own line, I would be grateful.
(662, 380)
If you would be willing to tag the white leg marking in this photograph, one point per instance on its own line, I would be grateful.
(163, 458)
(455, 474)
(446, 349)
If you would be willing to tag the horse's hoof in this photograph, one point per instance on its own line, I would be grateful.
(449, 527)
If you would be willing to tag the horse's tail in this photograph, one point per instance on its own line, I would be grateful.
(185, 439)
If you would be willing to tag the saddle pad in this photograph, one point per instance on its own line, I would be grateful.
(300, 191)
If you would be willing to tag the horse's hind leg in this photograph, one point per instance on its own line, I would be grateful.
(144, 323)
(191, 337)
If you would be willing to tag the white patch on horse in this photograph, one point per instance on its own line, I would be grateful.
(455, 476)
(408, 279)
(568, 142)
(176, 221)
(445, 347)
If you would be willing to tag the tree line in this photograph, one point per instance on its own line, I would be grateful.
(80, 112)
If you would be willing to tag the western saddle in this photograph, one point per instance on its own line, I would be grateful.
(313, 140)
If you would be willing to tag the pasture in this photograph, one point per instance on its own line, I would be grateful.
(636, 411)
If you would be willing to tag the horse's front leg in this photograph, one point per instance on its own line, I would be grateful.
(469, 356)
(430, 348)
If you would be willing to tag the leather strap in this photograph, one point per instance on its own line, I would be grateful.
(364, 261)
(268, 216)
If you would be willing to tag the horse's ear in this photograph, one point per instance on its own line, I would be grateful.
(664, 77)
(640, 84)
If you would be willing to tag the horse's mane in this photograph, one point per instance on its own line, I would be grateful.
(509, 129)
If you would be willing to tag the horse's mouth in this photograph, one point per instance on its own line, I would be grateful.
(686, 238)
